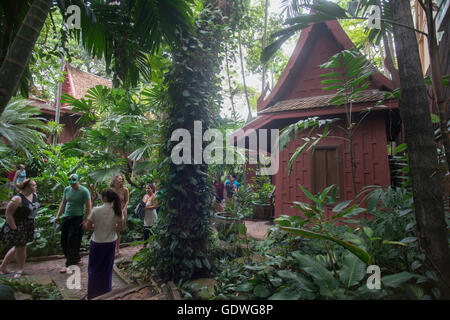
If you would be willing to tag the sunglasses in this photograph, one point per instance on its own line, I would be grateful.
(73, 180)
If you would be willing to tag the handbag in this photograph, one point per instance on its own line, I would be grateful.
(139, 210)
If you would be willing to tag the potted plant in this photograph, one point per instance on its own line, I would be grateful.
(230, 215)
(261, 201)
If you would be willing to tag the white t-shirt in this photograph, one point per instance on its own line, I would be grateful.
(105, 222)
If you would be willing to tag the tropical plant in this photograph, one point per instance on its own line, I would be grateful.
(263, 193)
(21, 128)
(124, 33)
(122, 132)
(316, 225)
(36, 290)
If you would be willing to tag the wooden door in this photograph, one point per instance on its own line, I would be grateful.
(326, 169)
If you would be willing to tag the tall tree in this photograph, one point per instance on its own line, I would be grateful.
(19, 53)
(264, 42)
(193, 90)
(419, 136)
(241, 58)
(436, 74)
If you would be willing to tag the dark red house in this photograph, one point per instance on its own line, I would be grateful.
(76, 83)
(299, 95)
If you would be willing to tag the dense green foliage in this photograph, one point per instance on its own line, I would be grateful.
(290, 267)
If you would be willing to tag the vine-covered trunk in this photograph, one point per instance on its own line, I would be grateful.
(419, 136)
(186, 190)
(20, 51)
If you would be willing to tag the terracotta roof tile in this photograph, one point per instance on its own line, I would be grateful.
(83, 81)
(320, 101)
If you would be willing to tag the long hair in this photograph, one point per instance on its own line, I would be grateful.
(151, 186)
(111, 196)
(112, 182)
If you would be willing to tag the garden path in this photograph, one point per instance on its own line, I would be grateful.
(47, 271)
(257, 229)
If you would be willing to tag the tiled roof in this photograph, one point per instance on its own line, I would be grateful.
(83, 81)
(320, 101)
(44, 106)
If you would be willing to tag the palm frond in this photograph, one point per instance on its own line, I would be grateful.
(21, 128)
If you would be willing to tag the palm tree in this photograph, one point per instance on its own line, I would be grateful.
(21, 128)
(121, 32)
(19, 53)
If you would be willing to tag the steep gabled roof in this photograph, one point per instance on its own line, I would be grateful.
(80, 81)
(76, 83)
(300, 78)
(299, 94)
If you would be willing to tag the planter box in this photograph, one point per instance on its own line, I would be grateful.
(261, 211)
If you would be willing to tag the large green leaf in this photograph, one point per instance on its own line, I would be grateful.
(320, 274)
(296, 279)
(360, 253)
(398, 279)
(353, 270)
(21, 127)
(287, 293)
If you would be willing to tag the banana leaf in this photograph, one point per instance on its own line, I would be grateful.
(360, 253)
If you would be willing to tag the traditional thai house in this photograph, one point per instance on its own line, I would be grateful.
(76, 83)
(298, 95)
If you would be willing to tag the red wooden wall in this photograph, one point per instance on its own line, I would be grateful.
(370, 155)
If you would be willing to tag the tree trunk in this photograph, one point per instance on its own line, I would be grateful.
(20, 51)
(436, 77)
(193, 85)
(233, 109)
(419, 136)
(264, 42)
(389, 56)
(249, 118)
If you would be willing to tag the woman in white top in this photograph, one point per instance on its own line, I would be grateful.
(105, 220)
(150, 215)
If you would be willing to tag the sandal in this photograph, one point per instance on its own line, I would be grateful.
(6, 272)
(18, 274)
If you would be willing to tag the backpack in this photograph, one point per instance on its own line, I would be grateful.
(140, 210)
